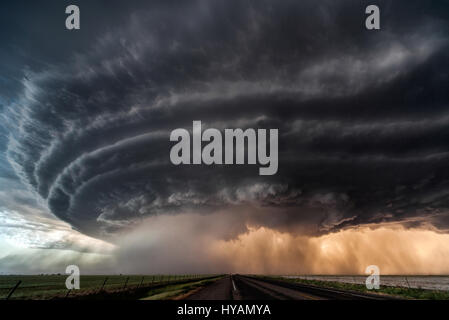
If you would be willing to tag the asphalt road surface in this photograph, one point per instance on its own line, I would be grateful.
(217, 290)
(238, 287)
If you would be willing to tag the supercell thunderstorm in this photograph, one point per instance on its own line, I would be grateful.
(363, 117)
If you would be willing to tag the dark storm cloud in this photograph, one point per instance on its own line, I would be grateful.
(362, 115)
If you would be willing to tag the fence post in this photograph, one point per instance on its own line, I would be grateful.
(104, 283)
(141, 282)
(13, 289)
(408, 284)
(126, 282)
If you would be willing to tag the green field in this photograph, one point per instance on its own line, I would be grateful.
(401, 292)
(53, 286)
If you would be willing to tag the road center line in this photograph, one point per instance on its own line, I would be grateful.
(233, 284)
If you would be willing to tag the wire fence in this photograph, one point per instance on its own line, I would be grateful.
(51, 286)
(415, 282)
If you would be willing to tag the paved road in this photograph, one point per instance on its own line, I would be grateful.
(218, 290)
(237, 287)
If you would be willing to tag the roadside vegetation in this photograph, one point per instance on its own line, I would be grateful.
(401, 292)
(44, 287)
(176, 290)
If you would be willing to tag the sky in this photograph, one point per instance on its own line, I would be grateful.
(362, 115)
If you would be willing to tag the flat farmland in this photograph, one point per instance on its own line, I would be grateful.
(53, 286)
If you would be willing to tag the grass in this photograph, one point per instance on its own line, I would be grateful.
(38, 287)
(168, 286)
(176, 290)
(402, 292)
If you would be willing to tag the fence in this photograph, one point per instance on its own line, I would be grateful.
(418, 282)
(51, 286)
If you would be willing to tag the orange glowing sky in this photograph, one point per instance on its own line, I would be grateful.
(394, 249)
